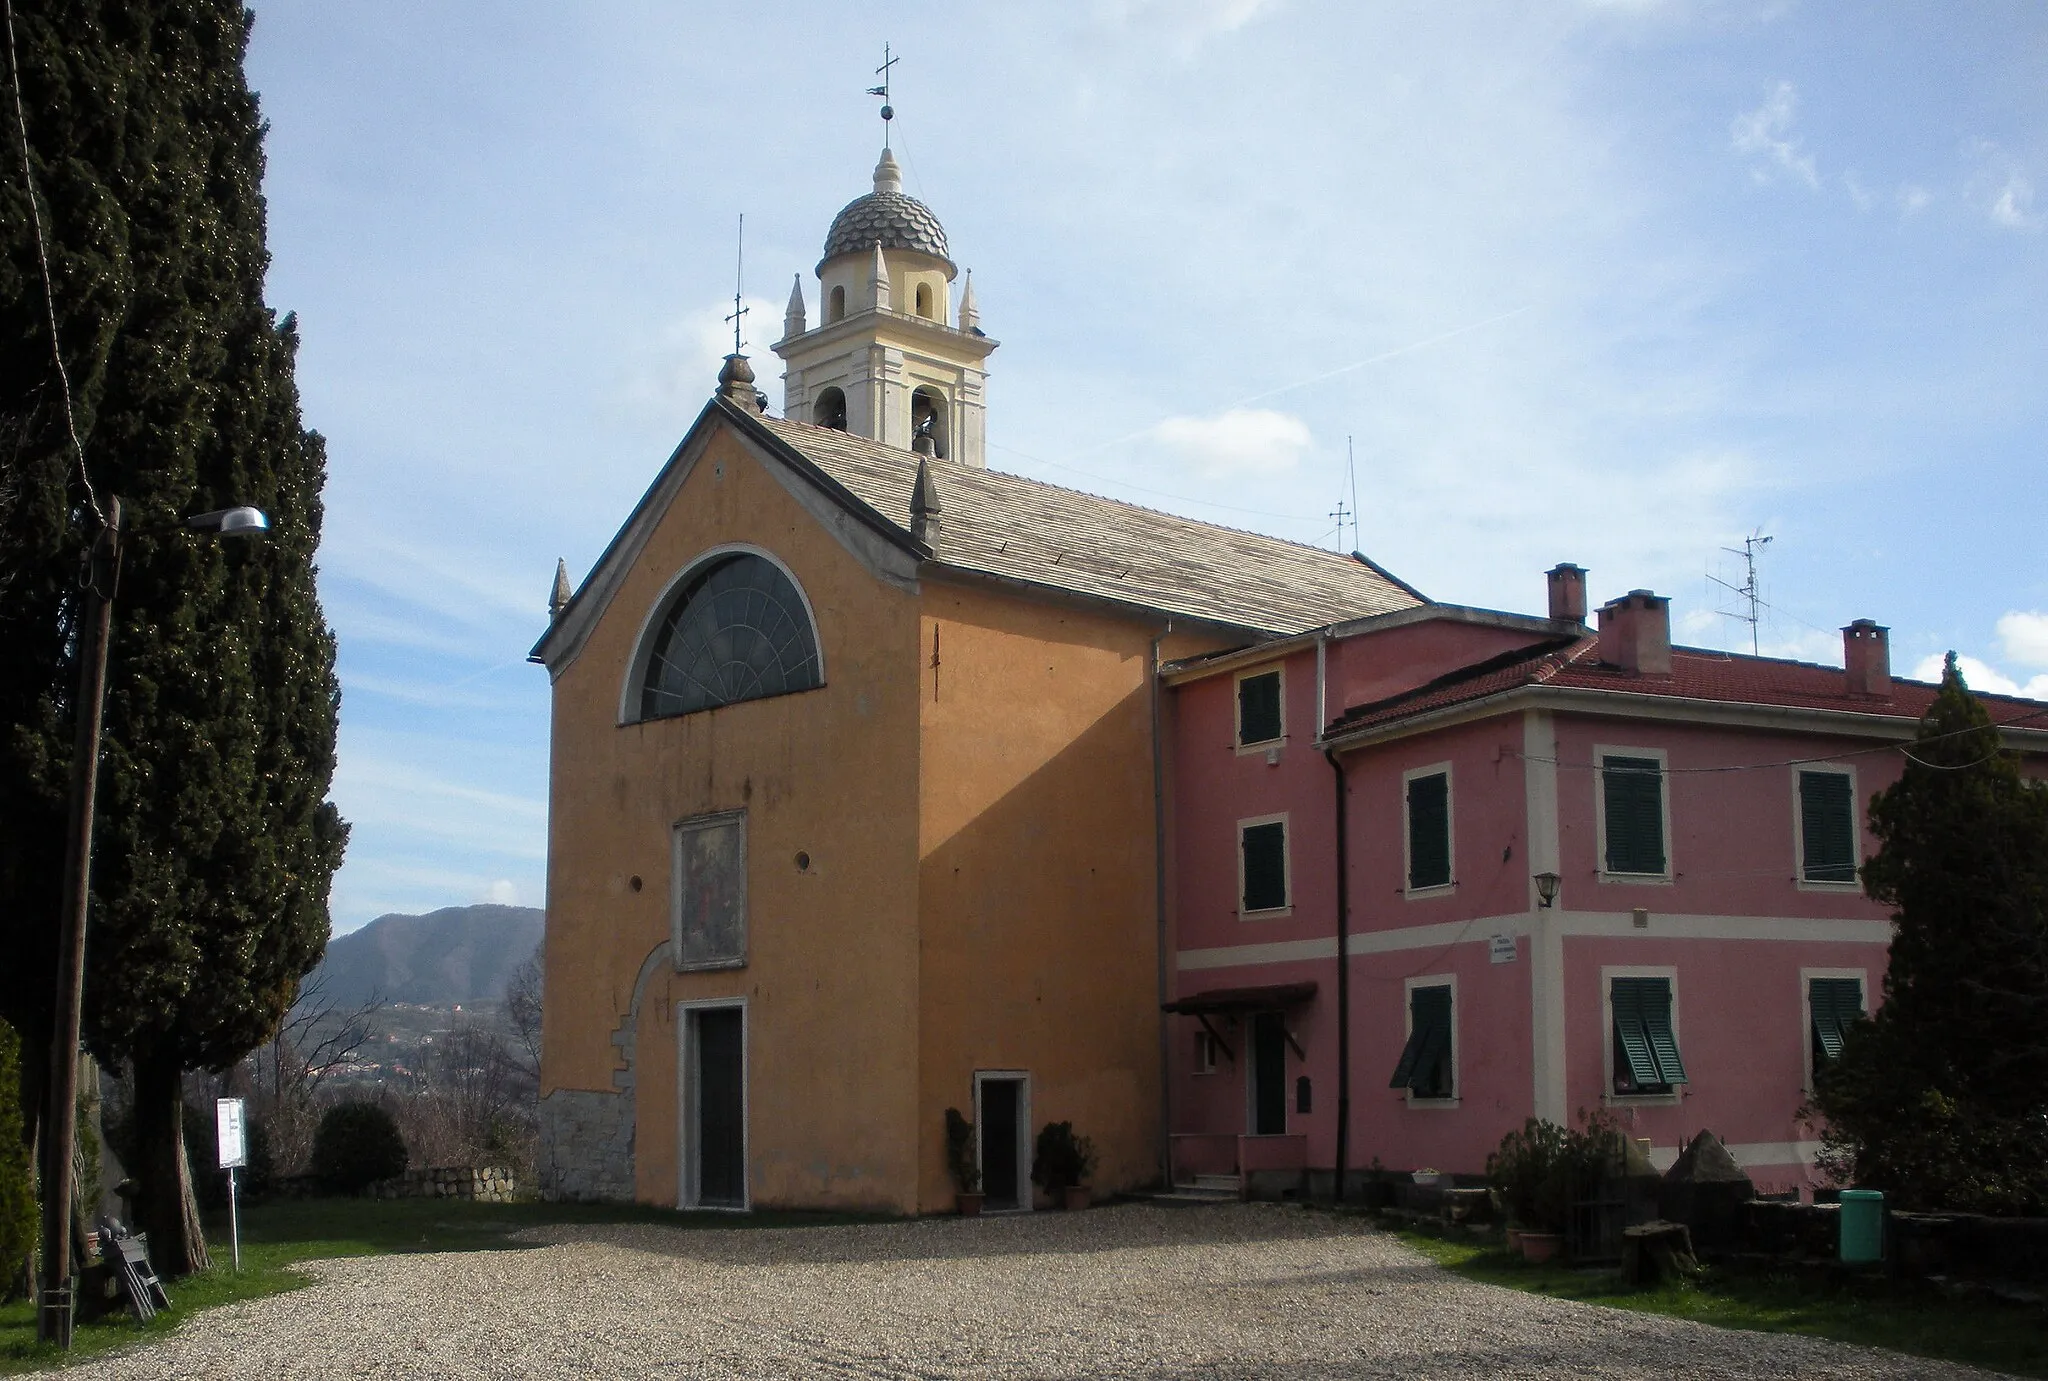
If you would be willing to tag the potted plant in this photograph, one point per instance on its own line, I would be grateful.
(1061, 1163)
(965, 1164)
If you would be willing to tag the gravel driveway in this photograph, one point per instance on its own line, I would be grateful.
(1132, 1291)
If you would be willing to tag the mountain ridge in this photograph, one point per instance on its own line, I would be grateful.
(456, 954)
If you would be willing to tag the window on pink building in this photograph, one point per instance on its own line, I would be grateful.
(1429, 831)
(1632, 794)
(1426, 1068)
(1258, 709)
(1263, 850)
(1646, 1057)
(1827, 826)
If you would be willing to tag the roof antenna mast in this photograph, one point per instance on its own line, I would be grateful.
(1349, 515)
(1752, 547)
(888, 111)
(739, 278)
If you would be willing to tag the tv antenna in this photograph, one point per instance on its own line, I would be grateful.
(739, 278)
(1343, 514)
(889, 60)
(1752, 547)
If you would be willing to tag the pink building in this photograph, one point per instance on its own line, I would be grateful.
(1566, 870)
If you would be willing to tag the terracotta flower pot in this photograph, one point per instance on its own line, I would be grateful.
(1539, 1247)
(1074, 1196)
(968, 1204)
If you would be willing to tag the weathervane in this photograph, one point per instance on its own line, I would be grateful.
(739, 308)
(888, 111)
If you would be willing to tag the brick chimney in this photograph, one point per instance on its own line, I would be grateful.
(1567, 593)
(1635, 633)
(1867, 659)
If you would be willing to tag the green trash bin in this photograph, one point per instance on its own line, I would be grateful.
(1862, 1237)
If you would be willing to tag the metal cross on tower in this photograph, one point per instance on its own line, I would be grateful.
(739, 307)
(888, 111)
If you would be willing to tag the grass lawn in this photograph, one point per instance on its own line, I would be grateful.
(275, 1237)
(1874, 1311)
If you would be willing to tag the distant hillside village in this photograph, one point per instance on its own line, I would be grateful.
(892, 794)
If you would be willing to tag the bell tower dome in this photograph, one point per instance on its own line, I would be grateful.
(888, 360)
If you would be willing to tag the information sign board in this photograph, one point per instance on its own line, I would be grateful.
(230, 1132)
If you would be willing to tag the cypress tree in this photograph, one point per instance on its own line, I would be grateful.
(1941, 1099)
(215, 843)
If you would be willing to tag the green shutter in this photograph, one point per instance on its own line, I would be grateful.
(1835, 1003)
(1265, 866)
(1634, 802)
(1827, 827)
(1643, 1033)
(1258, 708)
(1425, 1064)
(1429, 830)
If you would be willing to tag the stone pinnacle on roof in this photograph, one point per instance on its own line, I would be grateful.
(970, 315)
(793, 315)
(558, 598)
(736, 384)
(888, 177)
(878, 282)
(924, 500)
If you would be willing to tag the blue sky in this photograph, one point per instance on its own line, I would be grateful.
(1607, 282)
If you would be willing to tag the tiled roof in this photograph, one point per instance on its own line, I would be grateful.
(1021, 529)
(891, 219)
(1696, 674)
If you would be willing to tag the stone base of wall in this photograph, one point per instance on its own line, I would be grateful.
(586, 1145)
(480, 1184)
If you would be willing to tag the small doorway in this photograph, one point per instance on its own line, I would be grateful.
(1002, 1121)
(1268, 1092)
(713, 1104)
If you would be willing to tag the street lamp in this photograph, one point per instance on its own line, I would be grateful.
(1546, 889)
(99, 579)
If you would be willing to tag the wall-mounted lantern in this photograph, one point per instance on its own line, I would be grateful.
(1546, 889)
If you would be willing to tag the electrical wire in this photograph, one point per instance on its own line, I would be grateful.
(43, 259)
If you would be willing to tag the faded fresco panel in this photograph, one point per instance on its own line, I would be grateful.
(711, 892)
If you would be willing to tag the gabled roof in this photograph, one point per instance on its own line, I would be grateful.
(1697, 674)
(1011, 528)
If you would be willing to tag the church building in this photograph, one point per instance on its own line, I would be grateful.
(859, 787)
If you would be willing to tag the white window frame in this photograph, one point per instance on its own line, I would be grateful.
(1205, 1052)
(1286, 867)
(689, 1168)
(1023, 1077)
(1237, 708)
(1439, 980)
(1601, 752)
(1799, 877)
(1608, 973)
(714, 820)
(1450, 832)
(1806, 977)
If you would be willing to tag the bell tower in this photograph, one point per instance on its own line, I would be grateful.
(889, 358)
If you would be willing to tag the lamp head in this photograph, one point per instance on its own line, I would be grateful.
(231, 522)
(1546, 888)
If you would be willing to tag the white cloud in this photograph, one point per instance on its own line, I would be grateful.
(1913, 199)
(1241, 441)
(2013, 207)
(501, 893)
(1189, 21)
(1982, 676)
(2024, 636)
(1858, 193)
(1767, 130)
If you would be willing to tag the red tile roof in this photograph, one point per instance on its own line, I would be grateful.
(1696, 674)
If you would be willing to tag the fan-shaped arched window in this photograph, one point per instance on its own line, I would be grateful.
(738, 630)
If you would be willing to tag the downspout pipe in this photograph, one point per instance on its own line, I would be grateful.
(1343, 977)
(1165, 1147)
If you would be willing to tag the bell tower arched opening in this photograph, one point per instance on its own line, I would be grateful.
(836, 311)
(928, 420)
(830, 409)
(924, 299)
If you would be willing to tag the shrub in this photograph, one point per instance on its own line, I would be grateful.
(1061, 1160)
(17, 1188)
(1543, 1169)
(356, 1145)
(960, 1157)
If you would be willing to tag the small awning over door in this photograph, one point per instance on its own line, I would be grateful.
(1273, 997)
